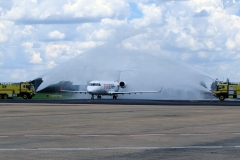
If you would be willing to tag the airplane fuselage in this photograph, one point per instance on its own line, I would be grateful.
(110, 88)
(102, 87)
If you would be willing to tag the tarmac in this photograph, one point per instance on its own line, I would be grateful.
(119, 129)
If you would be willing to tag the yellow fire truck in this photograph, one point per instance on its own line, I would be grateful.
(227, 90)
(22, 89)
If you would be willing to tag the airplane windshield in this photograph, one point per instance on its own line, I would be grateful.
(220, 87)
(32, 86)
(94, 84)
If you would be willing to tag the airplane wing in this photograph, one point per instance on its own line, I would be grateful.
(135, 92)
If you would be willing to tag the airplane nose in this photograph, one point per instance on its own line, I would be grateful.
(92, 89)
(89, 89)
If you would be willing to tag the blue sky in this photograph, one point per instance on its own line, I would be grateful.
(38, 35)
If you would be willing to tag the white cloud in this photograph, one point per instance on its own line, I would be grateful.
(224, 67)
(102, 34)
(19, 74)
(74, 11)
(1, 56)
(233, 44)
(202, 33)
(51, 64)
(128, 45)
(230, 44)
(185, 56)
(56, 50)
(202, 55)
(56, 35)
(99, 8)
(14, 14)
(112, 23)
(6, 29)
(89, 44)
(36, 58)
(28, 30)
(3, 36)
(28, 44)
(152, 16)
(186, 41)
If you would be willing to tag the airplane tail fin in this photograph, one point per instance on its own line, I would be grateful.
(119, 75)
(118, 80)
(60, 87)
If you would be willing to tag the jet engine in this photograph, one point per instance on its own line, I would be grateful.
(122, 84)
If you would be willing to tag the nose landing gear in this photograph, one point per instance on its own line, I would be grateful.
(114, 97)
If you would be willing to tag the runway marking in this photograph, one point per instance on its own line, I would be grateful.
(43, 135)
(137, 135)
(117, 148)
(195, 134)
(120, 135)
(203, 147)
(110, 135)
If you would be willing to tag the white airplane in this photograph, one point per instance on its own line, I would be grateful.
(110, 88)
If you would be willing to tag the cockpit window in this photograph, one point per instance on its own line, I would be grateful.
(94, 84)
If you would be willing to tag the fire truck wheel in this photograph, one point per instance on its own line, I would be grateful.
(221, 98)
(5, 96)
(1, 96)
(25, 96)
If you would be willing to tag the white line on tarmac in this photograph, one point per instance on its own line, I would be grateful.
(137, 135)
(43, 135)
(119, 135)
(96, 135)
(203, 147)
(195, 134)
(116, 148)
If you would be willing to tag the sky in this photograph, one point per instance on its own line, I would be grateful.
(37, 36)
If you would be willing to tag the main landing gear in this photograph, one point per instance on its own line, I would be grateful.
(98, 97)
